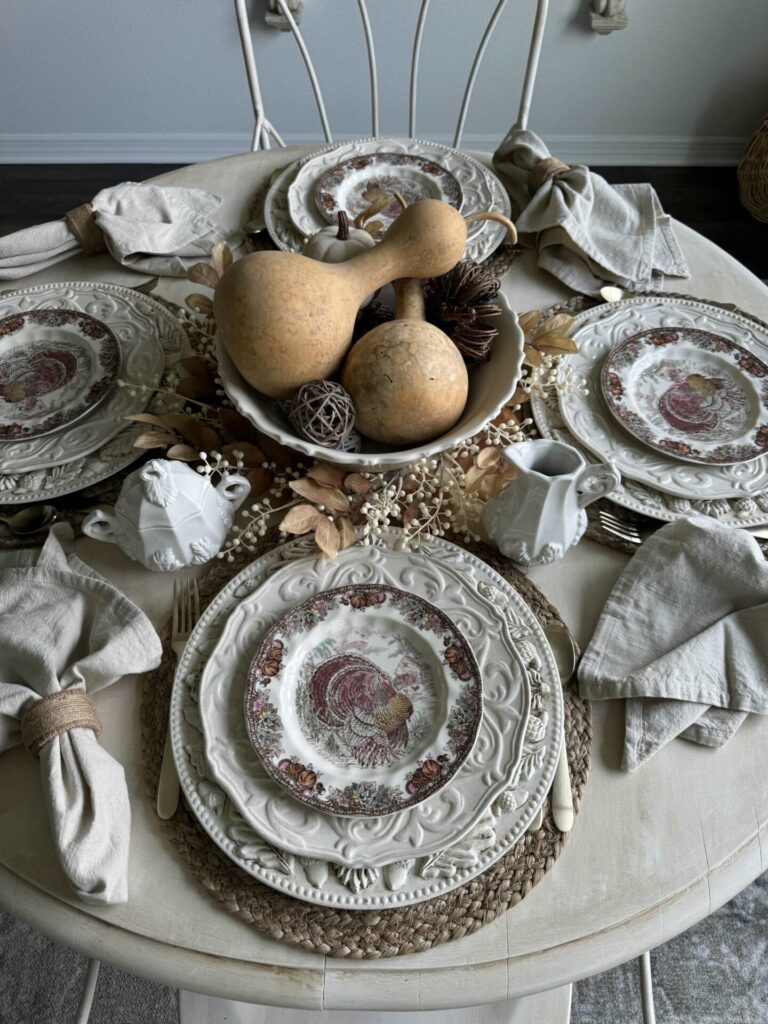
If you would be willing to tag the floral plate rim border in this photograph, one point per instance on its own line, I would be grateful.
(721, 455)
(450, 190)
(109, 356)
(306, 878)
(394, 794)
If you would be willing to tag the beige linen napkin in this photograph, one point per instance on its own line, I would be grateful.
(588, 233)
(684, 637)
(64, 628)
(146, 228)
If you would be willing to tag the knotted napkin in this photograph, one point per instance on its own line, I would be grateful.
(65, 633)
(684, 637)
(144, 227)
(588, 233)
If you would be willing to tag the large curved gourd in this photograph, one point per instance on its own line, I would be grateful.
(285, 319)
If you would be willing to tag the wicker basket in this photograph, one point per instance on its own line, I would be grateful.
(753, 174)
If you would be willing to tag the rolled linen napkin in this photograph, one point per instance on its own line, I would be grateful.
(588, 233)
(64, 633)
(684, 637)
(145, 228)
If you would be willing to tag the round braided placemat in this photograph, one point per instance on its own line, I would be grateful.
(365, 934)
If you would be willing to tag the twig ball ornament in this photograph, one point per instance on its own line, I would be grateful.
(322, 412)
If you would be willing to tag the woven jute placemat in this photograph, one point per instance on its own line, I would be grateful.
(365, 934)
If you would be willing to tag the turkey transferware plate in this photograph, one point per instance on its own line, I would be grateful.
(363, 700)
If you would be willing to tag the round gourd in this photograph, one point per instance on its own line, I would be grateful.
(406, 378)
(285, 319)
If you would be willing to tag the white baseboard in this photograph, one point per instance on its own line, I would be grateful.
(192, 147)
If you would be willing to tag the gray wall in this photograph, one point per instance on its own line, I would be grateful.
(687, 81)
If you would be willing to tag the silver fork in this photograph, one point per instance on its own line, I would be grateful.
(186, 612)
(619, 527)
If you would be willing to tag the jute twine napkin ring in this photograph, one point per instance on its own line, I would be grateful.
(82, 223)
(55, 714)
(545, 170)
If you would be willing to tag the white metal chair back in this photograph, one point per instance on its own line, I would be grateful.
(264, 130)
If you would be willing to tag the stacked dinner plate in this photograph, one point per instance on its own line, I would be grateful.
(308, 194)
(677, 397)
(75, 360)
(366, 732)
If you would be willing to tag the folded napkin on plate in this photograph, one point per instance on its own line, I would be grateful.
(684, 637)
(64, 631)
(588, 233)
(145, 228)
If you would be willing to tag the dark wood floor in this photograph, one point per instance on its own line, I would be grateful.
(705, 198)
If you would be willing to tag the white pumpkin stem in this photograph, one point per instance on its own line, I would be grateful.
(343, 233)
(499, 218)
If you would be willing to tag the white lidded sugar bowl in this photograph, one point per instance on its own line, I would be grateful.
(168, 516)
(540, 514)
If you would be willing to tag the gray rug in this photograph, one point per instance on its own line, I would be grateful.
(716, 973)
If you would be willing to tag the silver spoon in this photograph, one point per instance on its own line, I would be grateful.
(30, 520)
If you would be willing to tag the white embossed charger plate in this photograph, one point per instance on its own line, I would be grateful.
(588, 419)
(480, 187)
(363, 700)
(354, 184)
(119, 452)
(145, 331)
(418, 876)
(689, 394)
(56, 365)
(744, 512)
(495, 621)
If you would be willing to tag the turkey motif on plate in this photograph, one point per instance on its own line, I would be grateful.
(363, 700)
(690, 394)
(353, 185)
(56, 365)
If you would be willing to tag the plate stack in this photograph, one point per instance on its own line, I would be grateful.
(366, 732)
(308, 194)
(75, 360)
(677, 398)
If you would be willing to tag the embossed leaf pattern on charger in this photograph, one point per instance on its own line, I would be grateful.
(292, 190)
(382, 882)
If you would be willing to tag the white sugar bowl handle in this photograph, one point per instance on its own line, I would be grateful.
(234, 489)
(595, 481)
(100, 525)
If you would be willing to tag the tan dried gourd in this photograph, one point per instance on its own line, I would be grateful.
(285, 319)
(406, 378)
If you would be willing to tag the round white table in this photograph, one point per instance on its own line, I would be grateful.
(651, 853)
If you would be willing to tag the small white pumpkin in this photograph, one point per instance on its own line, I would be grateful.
(337, 243)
